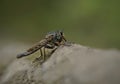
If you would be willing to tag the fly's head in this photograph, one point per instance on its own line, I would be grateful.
(56, 36)
(59, 36)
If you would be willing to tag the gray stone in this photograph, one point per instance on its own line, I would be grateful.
(73, 64)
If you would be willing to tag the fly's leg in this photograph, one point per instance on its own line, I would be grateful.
(50, 46)
(53, 51)
(40, 58)
(41, 52)
(64, 39)
(44, 57)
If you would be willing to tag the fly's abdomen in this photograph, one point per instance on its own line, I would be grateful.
(33, 49)
(23, 54)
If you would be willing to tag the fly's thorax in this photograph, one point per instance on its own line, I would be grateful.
(54, 37)
(43, 41)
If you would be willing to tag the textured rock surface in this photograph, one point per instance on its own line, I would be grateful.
(68, 65)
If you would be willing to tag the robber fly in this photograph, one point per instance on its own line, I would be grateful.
(51, 40)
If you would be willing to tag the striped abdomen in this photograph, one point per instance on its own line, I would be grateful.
(33, 49)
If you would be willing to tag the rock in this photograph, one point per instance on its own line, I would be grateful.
(73, 64)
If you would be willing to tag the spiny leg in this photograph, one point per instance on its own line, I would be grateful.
(64, 39)
(40, 58)
(51, 46)
(44, 54)
(41, 52)
(53, 51)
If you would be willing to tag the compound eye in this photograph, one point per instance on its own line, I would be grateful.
(58, 37)
(61, 33)
(52, 35)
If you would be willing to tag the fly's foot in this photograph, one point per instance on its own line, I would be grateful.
(68, 43)
(42, 59)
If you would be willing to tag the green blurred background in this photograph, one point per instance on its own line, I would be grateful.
(94, 23)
